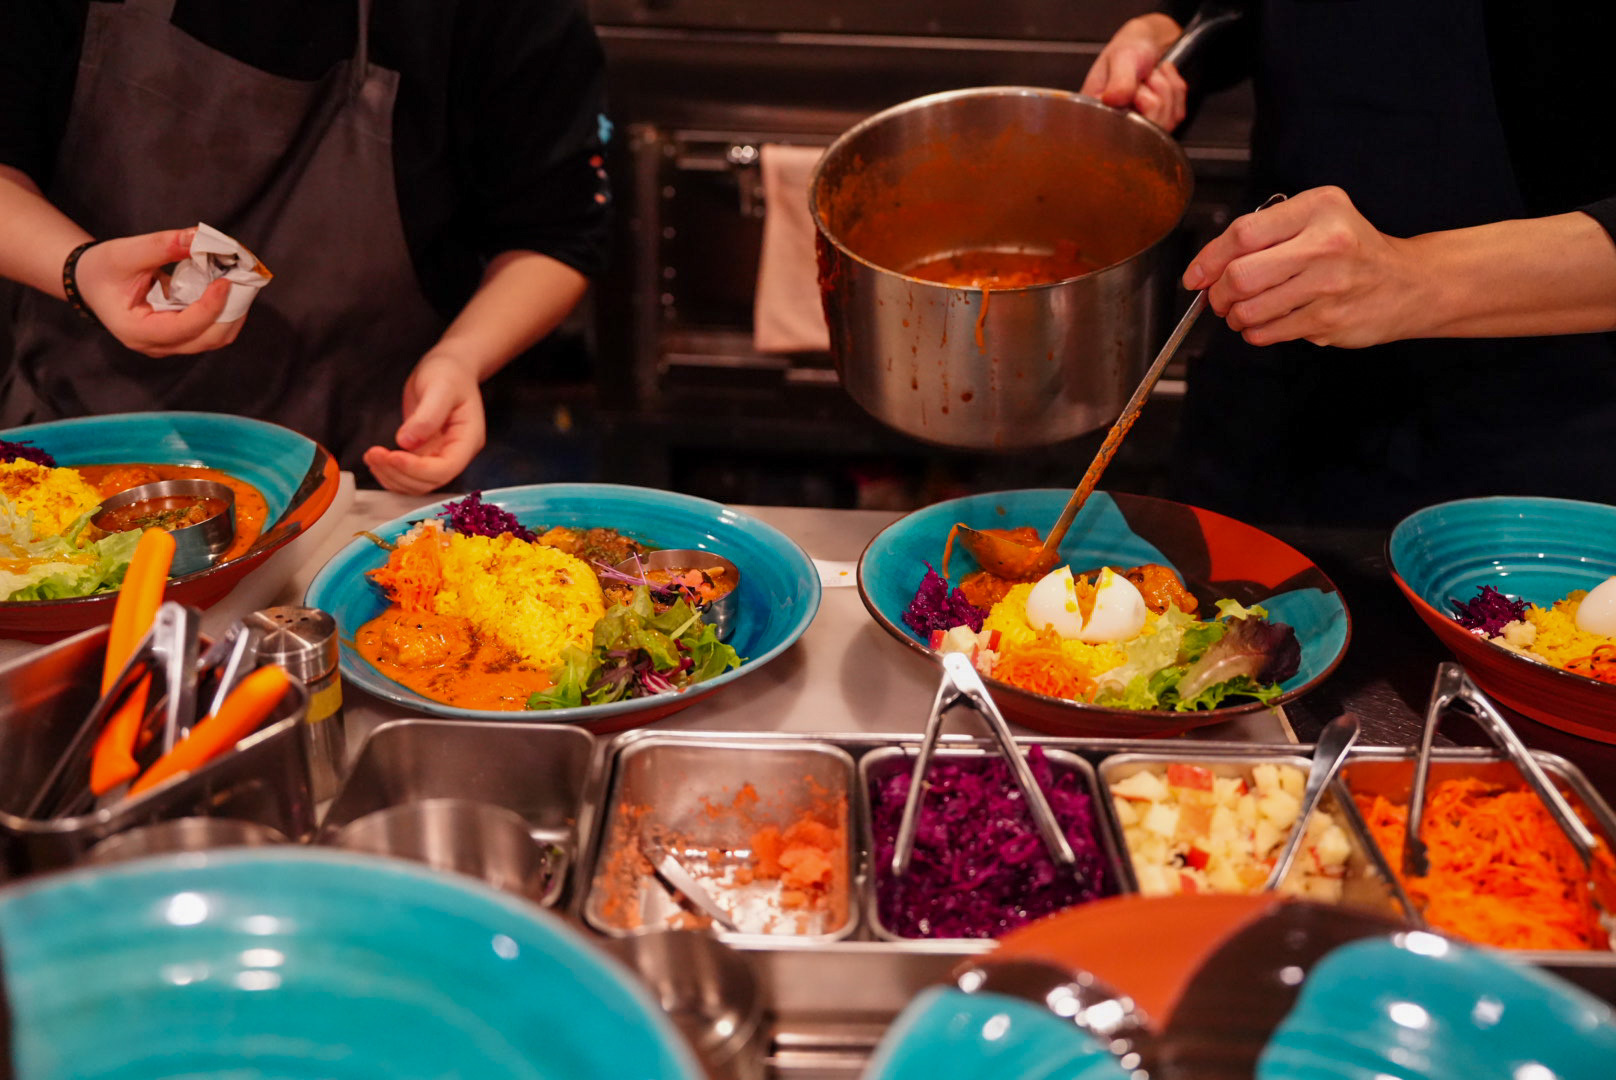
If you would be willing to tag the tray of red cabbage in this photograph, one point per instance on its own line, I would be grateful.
(980, 868)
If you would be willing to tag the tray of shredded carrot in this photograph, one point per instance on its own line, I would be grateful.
(1502, 872)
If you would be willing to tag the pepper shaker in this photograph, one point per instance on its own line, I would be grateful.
(303, 640)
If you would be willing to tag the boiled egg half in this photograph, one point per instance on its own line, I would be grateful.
(1118, 612)
(1597, 612)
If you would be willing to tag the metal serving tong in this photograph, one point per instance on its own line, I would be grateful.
(1454, 686)
(675, 878)
(126, 759)
(962, 683)
(169, 648)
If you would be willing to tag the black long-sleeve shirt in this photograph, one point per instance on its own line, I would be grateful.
(1551, 83)
(497, 129)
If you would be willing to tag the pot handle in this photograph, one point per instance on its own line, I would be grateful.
(1210, 18)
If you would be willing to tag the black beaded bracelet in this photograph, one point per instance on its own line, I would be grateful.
(70, 281)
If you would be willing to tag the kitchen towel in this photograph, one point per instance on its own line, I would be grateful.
(786, 314)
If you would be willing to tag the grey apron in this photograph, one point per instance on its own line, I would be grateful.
(166, 132)
(1299, 433)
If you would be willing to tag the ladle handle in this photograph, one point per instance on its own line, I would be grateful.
(1209, 18)
(1125, 422)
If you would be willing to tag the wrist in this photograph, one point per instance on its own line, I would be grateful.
(71, 291)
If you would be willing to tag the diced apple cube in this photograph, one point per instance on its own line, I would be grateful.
(1267, 838)
(1162, 820)
(1265, 778)
(1154, 879)
(1332, 848)
(1222, 878)
(1279, 807)
(1228, 789)
(1245, 812)
(960, 639)
(1143, 784)
(1127, 811)
(1292, 780)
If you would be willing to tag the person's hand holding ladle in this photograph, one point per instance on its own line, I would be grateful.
(1018, 560)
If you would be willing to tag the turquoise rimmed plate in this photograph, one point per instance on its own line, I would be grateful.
(778, 594)
(1216, 556)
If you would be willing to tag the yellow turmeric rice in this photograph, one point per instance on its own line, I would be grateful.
(1009, 618)
(54, 497)
(536, 600)
(1558, 639)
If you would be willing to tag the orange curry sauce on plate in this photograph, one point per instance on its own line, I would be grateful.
(251, 509)
(444, 658)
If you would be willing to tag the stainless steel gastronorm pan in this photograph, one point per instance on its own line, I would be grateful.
(1389, 771)
(540, 771)
(827, 1006)
(879, 764)
(673, 785)
(44, 699)
(1369, 882)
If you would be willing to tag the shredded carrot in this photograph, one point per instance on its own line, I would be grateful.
(412, 575)
(1599, 664)
(1044, 669)
(1502, 872)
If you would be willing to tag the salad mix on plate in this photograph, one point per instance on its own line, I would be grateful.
(1130, 638)
(487, 613)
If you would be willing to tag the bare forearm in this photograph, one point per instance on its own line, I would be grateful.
(523, 296)
(1553, 275)
(35, 237)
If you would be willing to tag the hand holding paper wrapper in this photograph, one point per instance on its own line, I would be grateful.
(213, 255)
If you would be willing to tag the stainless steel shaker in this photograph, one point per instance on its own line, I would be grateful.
(303, 640)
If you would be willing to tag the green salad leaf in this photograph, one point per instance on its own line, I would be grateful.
(638, 651)
(56, 567)
(1188, 664)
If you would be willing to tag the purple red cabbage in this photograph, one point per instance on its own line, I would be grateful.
(26, 451)
(1489, 612)
(473, 517)
(979, 868)
(935, 608)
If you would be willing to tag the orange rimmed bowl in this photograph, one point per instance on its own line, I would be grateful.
(1537, 549)
(297, 476)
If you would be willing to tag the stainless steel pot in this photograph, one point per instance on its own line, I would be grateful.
(1007, 169)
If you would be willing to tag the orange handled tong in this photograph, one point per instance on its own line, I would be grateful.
(253, 699)
(138, 600)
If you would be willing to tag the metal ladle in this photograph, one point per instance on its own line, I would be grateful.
(1328, 754)
(1018, 560)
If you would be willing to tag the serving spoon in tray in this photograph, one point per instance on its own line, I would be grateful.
(1021, 560)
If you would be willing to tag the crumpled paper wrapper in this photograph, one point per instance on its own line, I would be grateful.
(213, 255)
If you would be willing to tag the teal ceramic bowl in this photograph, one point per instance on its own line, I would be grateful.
(948, 1033)
(1420, 1007)
(305, 964)
(777, 597)
(1536, 549)
(1216, 556)
(297, 476)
